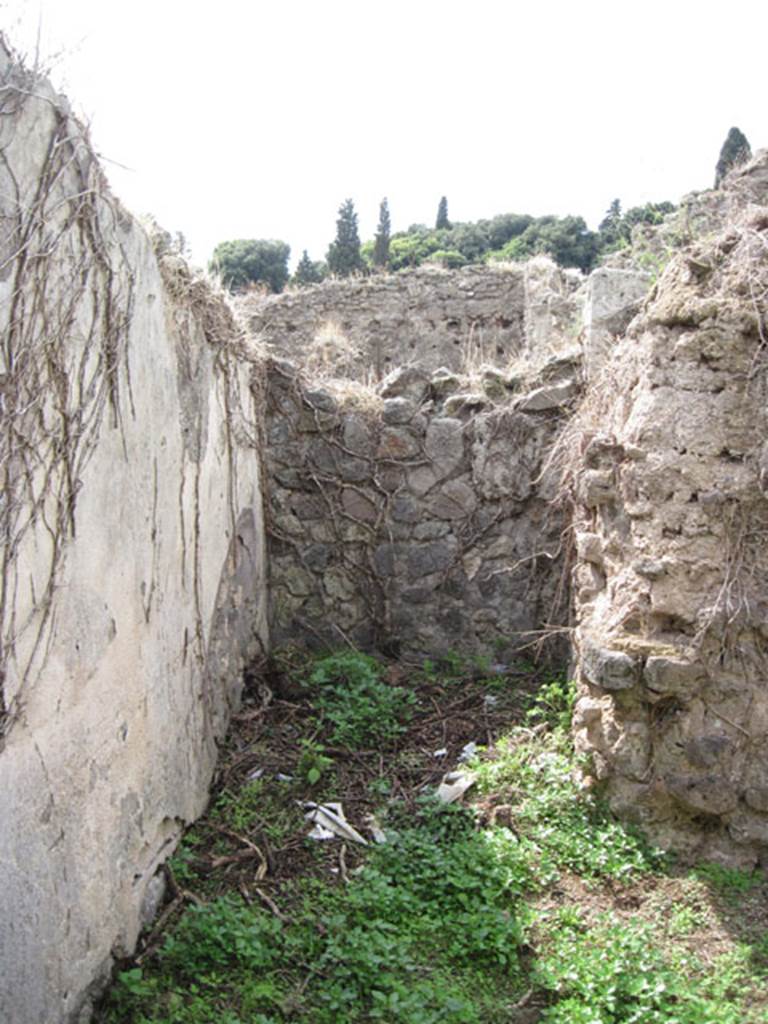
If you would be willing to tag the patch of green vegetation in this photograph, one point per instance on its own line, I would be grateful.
(404, 942)
(684, 920)
(448, 921)
(454, 669)
(759, 954)
(260, 804)
(571, 828)
(182, 863)
(730, 883)
(653, 262)
(450, 669)
(553, 703)
(615, 973)
(358, 705)
(380, 787)
(313, 762)
(240, 810)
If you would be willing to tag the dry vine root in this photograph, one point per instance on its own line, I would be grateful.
(67, 307)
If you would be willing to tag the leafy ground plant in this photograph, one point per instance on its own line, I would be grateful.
(571, 829)
(615, 973)
(529, 904)
(406, 941)
(353, 698)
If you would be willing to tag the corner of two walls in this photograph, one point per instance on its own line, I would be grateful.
(411, 520)
(415, 516)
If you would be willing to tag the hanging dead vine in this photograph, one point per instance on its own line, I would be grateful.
(66, 302)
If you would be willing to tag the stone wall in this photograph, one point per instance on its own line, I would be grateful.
(416, 518)
(671, 586)
(132, 561)
(363, 328)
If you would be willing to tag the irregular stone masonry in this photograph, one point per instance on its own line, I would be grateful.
(671, 581)
(420, 523)
(365, 327)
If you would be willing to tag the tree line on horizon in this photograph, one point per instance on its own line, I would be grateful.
(507, 237)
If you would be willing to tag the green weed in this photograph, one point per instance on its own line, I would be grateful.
(260, 805)
(435, 925)
(730, 883)
(553, 703)
(359, 706)
(684, 920)
(404, 942)
(182, 863)
(572, 829)
(240, 810)
(313, 762)
(615, 973)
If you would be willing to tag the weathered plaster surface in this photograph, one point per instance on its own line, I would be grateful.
(133, 568)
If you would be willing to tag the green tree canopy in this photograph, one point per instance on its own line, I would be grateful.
(344, 257)
(442, 214)
(308, 271)
(251, 261)
(736, 150)
(615, 230)
(381, 242)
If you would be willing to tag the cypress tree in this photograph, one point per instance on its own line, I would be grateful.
(610, 227)
(307, 271)
(381, 242)
(344, 253)
(736, 150)
(442, 214)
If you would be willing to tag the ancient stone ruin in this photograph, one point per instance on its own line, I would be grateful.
(494, 459)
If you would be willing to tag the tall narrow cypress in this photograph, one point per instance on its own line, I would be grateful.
(736, 150)
(344, 256)
(442, 214)
(381, 242)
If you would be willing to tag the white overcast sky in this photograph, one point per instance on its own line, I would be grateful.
(257, 119)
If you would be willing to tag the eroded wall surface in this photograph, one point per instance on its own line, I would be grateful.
(132, 561)
(416, 519)
(372, 325)
(365, 327)
(672, 577)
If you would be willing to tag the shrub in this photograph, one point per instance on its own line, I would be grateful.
(448, 258)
